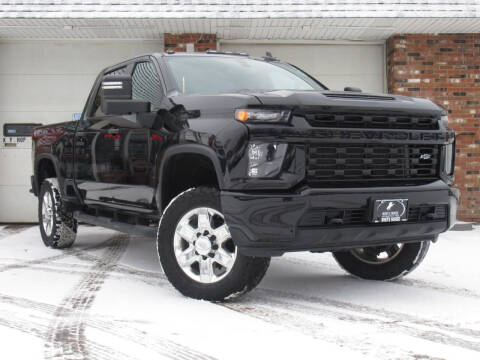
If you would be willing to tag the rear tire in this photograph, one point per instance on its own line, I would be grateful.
(57, 226)
(367, 263)
(197, 252)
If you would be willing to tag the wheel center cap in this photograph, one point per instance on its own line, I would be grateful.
(203, 245)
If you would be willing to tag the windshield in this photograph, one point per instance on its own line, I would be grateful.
(216, 74)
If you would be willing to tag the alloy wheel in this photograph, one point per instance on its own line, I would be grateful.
(203, 246)
(47, 213)
(377, 255)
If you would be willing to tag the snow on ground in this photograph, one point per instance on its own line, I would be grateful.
(106, 298)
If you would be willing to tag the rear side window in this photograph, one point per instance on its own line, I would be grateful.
(146, 84)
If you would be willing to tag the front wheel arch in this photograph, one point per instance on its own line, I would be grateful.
(214, 178)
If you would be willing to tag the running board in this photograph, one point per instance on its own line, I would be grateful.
(109, 223)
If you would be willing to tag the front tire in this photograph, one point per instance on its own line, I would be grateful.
(197, 252)
(383, 262)
(57, 226)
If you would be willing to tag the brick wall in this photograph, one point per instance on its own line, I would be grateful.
(445, 68)
(201, 42)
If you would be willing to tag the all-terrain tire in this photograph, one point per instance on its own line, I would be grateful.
(409, 257)
(63, 230)
(245, 274)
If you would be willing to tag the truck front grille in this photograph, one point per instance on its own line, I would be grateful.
(371, 121)
(357, 164)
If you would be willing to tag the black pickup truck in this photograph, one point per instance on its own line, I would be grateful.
(228, 160)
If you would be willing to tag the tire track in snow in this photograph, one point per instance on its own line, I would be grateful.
(316, 329)
(397, 316)
(27, 327)
(160, 345)
(408, 282)
(103, 352)
(34, 328)
(417, 283)
(113, 327)
(65, 310)
(64, 254)
(156, 279)
(149, 277)
(153, 278)
(118, 271)
(66, 338)
(271, 302)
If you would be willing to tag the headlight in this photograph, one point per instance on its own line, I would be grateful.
(448, 165)
(444, 120)
(265, 159)
(266, 116)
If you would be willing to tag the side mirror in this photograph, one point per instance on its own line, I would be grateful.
(351, 88)
(116, 96)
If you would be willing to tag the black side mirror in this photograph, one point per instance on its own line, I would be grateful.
(116, 96)
(351, 88)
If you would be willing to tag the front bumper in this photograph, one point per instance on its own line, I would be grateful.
(264, 224)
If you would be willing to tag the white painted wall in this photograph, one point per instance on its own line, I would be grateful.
(46, 82)
(335, 65)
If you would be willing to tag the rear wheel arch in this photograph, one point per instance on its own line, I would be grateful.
(186, 166)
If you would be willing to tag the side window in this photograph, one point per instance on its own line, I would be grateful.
(96, 110)
(146, 84)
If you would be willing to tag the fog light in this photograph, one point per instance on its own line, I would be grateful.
(265, 159)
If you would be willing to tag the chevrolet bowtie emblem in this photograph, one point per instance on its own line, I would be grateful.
(425, 156)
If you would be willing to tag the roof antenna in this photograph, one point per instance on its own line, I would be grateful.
(269, 57)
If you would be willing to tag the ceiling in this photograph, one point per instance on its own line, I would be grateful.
(237, 9)
(361, 29)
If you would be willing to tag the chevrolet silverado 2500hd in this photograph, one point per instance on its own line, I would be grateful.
(228, 160)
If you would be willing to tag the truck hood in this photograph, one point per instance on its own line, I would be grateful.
(347, 100)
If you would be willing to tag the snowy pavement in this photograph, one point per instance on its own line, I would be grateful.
(106, 298)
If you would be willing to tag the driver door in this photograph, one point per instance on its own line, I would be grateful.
(140, 138)
(97, 147)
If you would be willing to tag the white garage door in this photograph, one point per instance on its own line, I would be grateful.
(46, 82)
(336, 66)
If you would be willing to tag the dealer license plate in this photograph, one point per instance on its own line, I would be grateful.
(390, 210)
